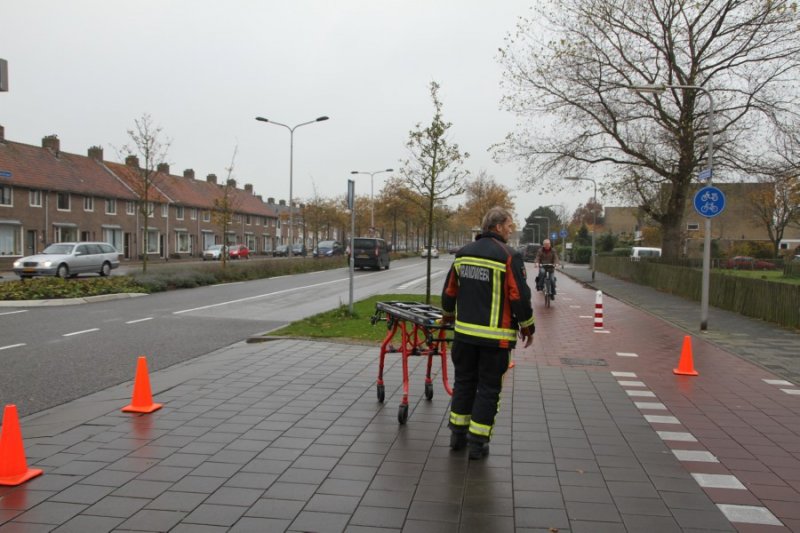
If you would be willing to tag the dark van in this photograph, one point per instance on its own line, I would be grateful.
(529, 252)
(370, 252)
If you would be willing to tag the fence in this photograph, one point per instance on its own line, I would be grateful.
(757, 298)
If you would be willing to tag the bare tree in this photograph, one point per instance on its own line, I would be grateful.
(434, 168)
(570, 68)
(483, 193)
(151, 148)
(225, 207)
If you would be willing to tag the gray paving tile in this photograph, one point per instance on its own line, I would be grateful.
(320, 522)
(260, 525)
(54, 513)
(117, 507)
(215, 515)
(84, 523)
(177, 501)
(153, 520)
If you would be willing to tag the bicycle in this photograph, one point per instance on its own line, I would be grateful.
(547, 283)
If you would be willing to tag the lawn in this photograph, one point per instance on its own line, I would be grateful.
(338, 323)
(769, 275)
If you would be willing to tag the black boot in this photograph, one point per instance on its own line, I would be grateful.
(478, 450)
(457, 440)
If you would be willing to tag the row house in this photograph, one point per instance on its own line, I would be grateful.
(47, 196)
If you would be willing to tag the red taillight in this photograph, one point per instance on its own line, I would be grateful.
(377, 252)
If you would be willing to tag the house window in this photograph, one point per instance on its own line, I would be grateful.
(206, 216)
(179, 212)
(130, 207)
(113, 237)
(111, 207)
(151, 209)
(35, 198)
(6, 198)
(66, 234)
(182, 242)
(692, 226)
(152, 241)
(193, 213)
(62, 201)
(10, 239)
(88, 203)
(247, 220)
(164, 210)
(86, 236)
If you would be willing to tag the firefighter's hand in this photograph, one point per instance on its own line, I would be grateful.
(447, 320)
(526, 334)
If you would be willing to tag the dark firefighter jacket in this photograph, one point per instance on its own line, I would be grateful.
(487, 291)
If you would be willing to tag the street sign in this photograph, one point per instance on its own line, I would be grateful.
(704, 175)
(563, 233)
(553, 236)
(5, 173)
(351, 194)
(709, 202)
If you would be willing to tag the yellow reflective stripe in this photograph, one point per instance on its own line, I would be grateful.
(479, 261)
(459, 420)
(526, 323)
(485, 331)
(494, 317)
(480, 429)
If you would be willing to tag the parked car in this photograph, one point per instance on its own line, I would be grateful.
(238, 251)
(454, 249)
(299, 249)
(638, 252)
(434, 251)
(370, 252)
(328, 249)
(282, 250)
(529, 252)
(796, 259)
(213, 252)
(68, 259)
(744, 262)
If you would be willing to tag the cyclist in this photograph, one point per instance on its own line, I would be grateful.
(546, 255)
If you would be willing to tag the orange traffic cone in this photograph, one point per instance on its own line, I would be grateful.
(686, 364)
(13, 466)
(142, 397)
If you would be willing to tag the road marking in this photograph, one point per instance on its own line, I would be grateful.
(631, 383)
(256, 297)
(778, 382)
(655, 406)
(80, 332)
(12, 346)
(140, 320)
(749, 514)
(791, 391)
(640, 393)
(681, 436)
(661, 419)
(623, 374)
(718, 481)
(585, 316)
(627, 354)
(14, 312)
(698, 456)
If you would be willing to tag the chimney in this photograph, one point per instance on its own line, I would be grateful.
(52, 143)
(260, 199)
(270, 200)
(2, 134)
(163, 168)
(282, 202)
(248, 187)
(212, 178)
(96, 152)
(132, 161)
(188, 173)
(231, 183)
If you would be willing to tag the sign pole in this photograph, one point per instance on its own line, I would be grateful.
(351, 204)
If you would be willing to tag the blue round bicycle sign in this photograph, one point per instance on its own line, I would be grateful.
(709, 202)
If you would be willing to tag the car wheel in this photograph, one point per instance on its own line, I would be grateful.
(105, 270)
(62, 272)
(387, 265)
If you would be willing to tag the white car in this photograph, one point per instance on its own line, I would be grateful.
(68, 259)
(434, 251)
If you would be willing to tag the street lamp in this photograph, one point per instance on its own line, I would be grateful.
(658, 89)
(371, 191)
(594, 216)
(546, 235)
(289, 251)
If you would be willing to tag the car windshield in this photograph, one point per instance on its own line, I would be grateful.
(59, 249)
(325, 245)
(215, 247)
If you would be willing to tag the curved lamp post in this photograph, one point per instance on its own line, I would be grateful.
(658, 89)
(594, 215)
(547, 234)
(371, 191)
(289, 251)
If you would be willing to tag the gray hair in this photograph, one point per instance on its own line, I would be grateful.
(495, 216)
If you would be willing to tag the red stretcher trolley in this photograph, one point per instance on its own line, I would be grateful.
(421, 334)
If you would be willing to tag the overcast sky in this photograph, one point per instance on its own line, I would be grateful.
(86, 69)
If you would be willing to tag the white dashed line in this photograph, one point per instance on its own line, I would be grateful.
(791, 391)
(655, 406)
(718, 481)
(80, 332)
(640, 393)
(661, 419)
(12, 346)
(13, 312)
(680, 436)
(698, 456)
(627, 354)
(778, 382)
(749, 514)
(624, 374)
(140, 320)
(631, 383)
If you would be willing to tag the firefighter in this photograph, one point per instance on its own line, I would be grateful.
(487, 298)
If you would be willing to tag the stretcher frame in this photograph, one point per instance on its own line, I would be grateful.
(421, 334)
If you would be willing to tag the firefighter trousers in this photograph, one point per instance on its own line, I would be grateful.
(476, 390)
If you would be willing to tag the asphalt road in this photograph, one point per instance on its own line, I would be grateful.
(51, 355)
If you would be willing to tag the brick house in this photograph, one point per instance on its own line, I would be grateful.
(47, 195)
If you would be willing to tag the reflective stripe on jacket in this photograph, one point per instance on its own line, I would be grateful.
(486, 289)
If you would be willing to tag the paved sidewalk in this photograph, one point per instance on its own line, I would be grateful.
(595, 434)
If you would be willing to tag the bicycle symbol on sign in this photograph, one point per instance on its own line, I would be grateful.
(709, 196)
(709, 207)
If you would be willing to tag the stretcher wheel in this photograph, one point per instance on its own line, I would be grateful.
(428, 391)
(402, 413)
(381, 393)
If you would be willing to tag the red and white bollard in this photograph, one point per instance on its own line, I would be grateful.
(598, 310)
